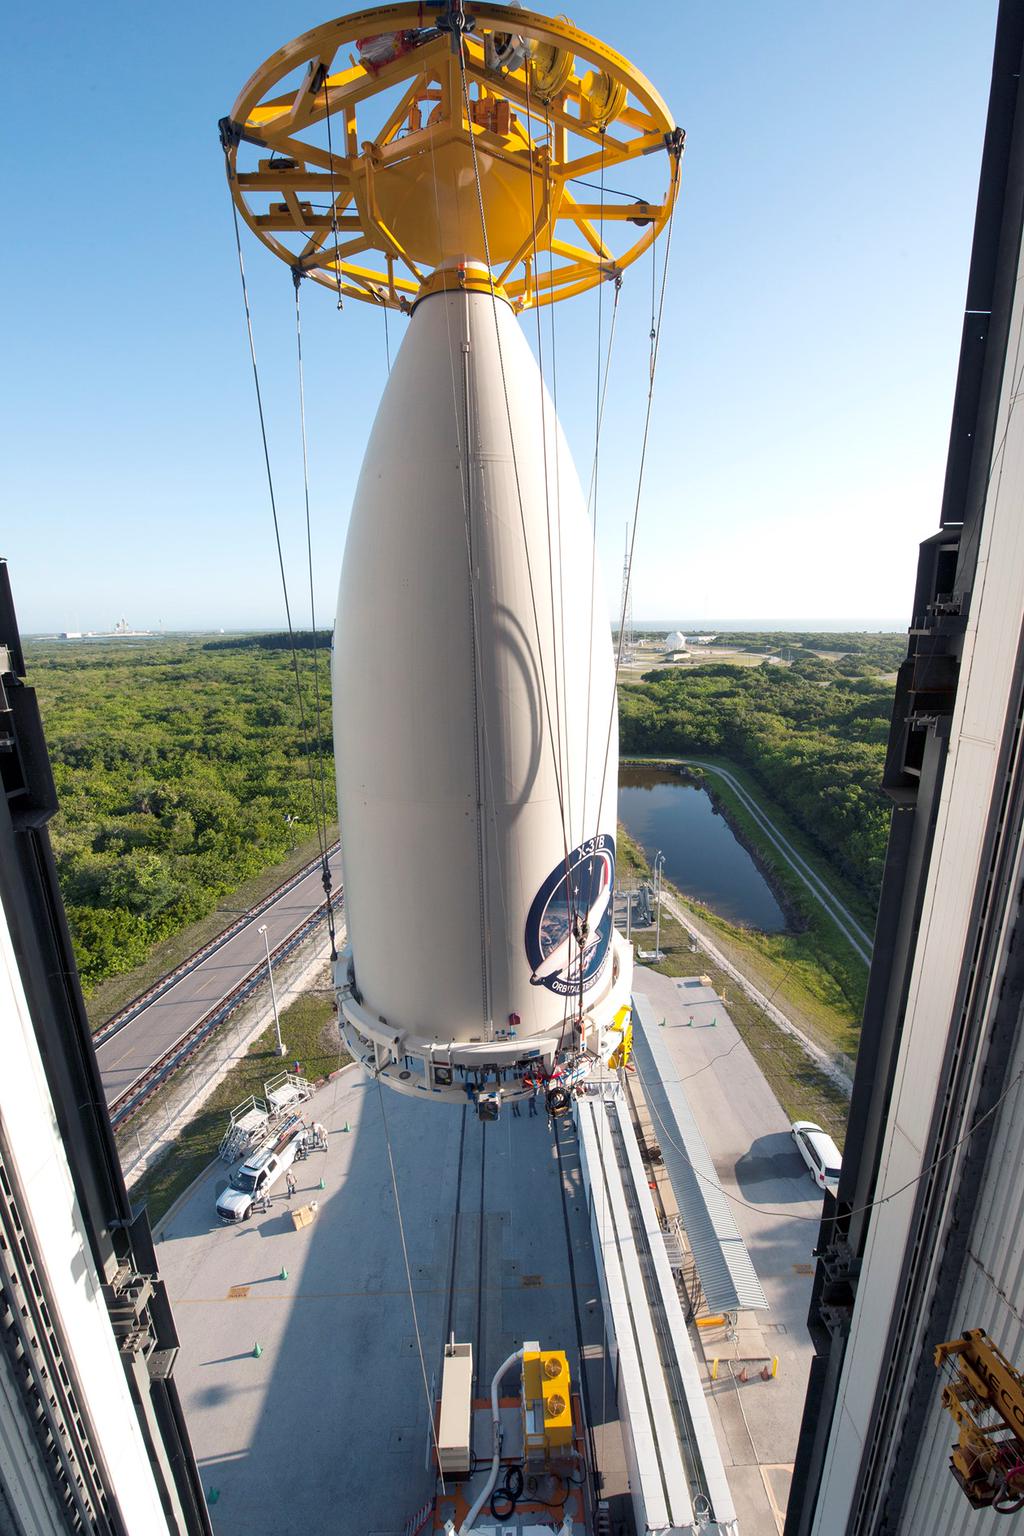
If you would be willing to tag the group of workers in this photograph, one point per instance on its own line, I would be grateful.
(313, 1139)
(534, 1086)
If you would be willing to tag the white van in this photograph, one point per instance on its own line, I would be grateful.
(819, 1152)
(259, 1173)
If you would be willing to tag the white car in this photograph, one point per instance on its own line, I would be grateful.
(819, 1152)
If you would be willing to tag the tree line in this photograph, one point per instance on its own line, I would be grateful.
(182, 768)
(181, 772)
(813, 738)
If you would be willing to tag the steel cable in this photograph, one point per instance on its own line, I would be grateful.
(515, 459)
(334, 196)
(408, 1281)
(655, 348)
(321, 841)
(858, 1210)
(567, 831)
(326, 867)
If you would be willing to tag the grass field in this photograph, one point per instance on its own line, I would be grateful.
(810, 972)
(851, 898)
(803, 1090)
(311, 1030)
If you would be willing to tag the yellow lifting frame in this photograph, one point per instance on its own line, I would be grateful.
(375, 190)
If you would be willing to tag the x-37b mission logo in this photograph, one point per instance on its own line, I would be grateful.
(579, 888)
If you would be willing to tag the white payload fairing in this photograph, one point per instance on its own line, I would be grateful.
(475, 728)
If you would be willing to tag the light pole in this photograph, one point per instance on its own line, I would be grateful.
(273, 990)
(659, 860)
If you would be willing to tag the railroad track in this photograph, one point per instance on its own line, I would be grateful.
(138, 1004)
(465, 1313)
(139, 1092)
(567, 1129)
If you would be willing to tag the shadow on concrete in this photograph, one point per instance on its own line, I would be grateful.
(328, 1429)
(244, 1354)
(772, 1171)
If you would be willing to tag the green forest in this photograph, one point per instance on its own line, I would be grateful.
(813, 738)
(182, 770)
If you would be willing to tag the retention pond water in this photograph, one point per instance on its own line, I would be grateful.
(703, 857)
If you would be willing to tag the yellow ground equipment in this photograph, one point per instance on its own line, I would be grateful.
(547, 1406)
(410, 147)
(985, 1396)
(624, 1049)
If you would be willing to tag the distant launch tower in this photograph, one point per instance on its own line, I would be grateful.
(426, 160)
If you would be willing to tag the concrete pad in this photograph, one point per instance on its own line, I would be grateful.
(776, 1209)
(327, 1429)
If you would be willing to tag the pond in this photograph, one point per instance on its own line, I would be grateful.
(702, 856)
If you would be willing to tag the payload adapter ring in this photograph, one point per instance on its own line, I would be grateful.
(504, 1069)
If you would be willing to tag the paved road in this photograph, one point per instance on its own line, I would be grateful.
(857, 937)
(771, 1010)
(128, 1053)
(777, 1210)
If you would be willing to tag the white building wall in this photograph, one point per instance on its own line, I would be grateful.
(72, 1286)
(987, 670)
(991, 1297)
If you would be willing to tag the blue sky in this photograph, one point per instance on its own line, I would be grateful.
(809, 352)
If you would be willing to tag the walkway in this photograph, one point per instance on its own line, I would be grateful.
(777, 1211)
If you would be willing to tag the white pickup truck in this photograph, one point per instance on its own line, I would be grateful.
(259, 1173)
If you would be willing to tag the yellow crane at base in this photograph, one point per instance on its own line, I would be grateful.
(986, 1399)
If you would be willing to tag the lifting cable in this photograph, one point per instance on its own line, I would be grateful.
(334, 195)
(304, 725)
(560, 771)
(593, 500)
(512, 445)
(297, 276)
(548, 129)
(560, 659)
(552, 310)
(675, 148)
(408, 1282)
(544, 453)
